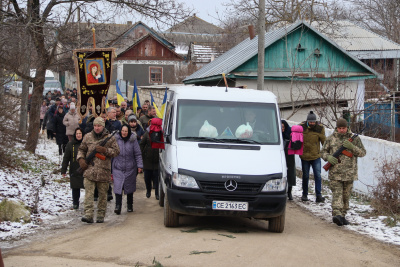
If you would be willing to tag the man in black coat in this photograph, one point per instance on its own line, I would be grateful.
(60, 130)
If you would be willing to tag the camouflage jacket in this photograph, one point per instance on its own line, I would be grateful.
(313, 139)
(347, 169)
(100, 171)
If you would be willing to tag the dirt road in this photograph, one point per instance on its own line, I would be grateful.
(137, 238)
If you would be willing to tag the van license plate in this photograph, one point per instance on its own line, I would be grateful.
(230, 205)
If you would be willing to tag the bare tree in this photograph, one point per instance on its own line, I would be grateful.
(278, 12)
(380, 16)
(45, 21)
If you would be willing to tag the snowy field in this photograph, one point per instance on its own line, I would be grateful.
(36, 180)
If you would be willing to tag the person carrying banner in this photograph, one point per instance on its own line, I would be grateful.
(344, 170)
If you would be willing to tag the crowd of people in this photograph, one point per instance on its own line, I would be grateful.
(305, 140)
(116, 160)
(117, 141)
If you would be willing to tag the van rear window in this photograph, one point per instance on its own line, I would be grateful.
(227, 122)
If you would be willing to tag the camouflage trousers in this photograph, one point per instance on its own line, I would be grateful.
(89, 196)
(341, 191)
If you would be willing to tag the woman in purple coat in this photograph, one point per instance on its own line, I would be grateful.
(125, 167)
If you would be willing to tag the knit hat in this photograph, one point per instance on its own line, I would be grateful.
(52, 102)
(311, 117)
(61, 106)
(72, 105)
(132, 117)
(99, 121)
(341, 123)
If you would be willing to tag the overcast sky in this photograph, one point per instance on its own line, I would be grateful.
(204, 9)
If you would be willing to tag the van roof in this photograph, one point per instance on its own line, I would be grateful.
(218, 93)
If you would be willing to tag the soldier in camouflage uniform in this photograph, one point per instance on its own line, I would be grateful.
(342, 174)
(98, 174)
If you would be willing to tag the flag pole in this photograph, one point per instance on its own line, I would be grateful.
(94, 37)
(226, 83)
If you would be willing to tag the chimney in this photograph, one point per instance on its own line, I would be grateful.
(129, 22)
(251, 32)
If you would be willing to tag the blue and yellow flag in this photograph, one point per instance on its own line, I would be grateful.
(154, 105)
(164, 103)
(107, 105)
(135, 98)
(120, 98)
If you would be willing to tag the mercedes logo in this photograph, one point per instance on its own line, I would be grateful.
(231, 185)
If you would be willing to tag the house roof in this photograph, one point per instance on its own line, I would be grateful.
(126, 48)
(195, 24)
(247, 49)
(193, 29)
(361, 42)
(123, 41)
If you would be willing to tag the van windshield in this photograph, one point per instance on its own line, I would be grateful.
(227, 122)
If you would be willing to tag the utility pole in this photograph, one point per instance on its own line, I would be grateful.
(393, 106)
(261, 44)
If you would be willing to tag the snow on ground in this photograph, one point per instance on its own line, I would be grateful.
(55, 205)
(35, 180)
(359, 215)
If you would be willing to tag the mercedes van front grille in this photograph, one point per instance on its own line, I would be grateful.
(240, 187)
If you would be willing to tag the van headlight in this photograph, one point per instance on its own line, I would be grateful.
(275, 185)
(186, 181)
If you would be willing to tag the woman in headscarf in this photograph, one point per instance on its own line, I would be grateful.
(290, 160)
(76, 179)
(125, 167)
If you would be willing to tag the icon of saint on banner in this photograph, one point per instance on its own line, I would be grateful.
(94, 71)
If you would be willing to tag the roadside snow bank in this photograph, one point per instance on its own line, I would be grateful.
(36, 185)
(358, 215)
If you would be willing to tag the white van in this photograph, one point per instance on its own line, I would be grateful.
(223, 155)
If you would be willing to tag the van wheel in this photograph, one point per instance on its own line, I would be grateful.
(277, 224)
(171, 218)
(161, 194)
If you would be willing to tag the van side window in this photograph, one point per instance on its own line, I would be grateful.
(171, 119)
(168, 118)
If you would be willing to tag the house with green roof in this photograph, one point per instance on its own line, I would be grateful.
(304, 68)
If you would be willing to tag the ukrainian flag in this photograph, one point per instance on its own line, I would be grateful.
(120, 98)
(164, 103)
(135, 98)
(107, 105)
(154, 105)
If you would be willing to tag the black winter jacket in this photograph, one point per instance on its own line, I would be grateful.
(60, 129)
(150, 155)
(71, 151)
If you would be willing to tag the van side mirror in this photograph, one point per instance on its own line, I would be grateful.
(167, 138)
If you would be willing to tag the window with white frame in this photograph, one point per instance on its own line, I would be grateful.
(156, 75)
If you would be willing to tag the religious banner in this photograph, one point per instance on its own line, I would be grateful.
(93, 68)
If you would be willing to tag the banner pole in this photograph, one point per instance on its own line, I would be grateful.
(94, 37)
